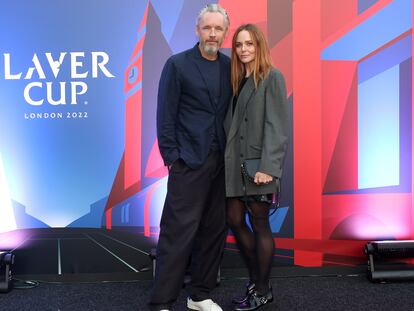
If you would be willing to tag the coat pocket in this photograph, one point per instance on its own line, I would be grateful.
(255, 151)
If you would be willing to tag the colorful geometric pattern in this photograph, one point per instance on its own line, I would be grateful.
(367, 118)
(348, 172)
(348, 67)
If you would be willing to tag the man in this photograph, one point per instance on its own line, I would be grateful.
(194, 92)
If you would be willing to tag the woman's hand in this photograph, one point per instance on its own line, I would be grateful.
(262, 178)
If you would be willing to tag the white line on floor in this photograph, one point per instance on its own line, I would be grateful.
(123, 243)
(40, 239)
(121, 260)
(59, 259)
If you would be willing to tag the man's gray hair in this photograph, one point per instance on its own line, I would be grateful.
(213, 8)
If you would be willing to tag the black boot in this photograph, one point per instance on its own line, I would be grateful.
(250, 287)
(255, 301)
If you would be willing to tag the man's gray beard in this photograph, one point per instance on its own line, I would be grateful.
(210, 50)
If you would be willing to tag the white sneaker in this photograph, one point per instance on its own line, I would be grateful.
(204, 305)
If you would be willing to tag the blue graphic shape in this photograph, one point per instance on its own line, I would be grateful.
(94, 218)
(277, 219)
(168, 14)
(24, 220)
(379, 29)
(406, 125)
(365, 5)
(385, 59)
(378, 130)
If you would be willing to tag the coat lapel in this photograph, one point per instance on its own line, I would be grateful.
(245, 96)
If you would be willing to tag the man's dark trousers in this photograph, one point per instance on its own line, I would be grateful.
(192, 224)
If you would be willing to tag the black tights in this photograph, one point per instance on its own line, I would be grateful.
(255, 246)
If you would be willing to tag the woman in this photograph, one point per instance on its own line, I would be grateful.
(256, 127)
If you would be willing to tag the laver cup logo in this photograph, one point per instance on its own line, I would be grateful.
(52, 85)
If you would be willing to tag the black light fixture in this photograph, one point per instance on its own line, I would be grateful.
(382, 265)
(6, 261)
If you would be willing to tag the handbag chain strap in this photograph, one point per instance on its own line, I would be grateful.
(275, 199)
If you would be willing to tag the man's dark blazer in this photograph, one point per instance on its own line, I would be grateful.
(187, 109)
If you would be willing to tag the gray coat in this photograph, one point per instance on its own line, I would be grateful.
(258, 129)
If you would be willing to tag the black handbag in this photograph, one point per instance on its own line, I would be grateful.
(249, 168)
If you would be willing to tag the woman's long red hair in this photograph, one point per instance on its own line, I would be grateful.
(262, 60)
